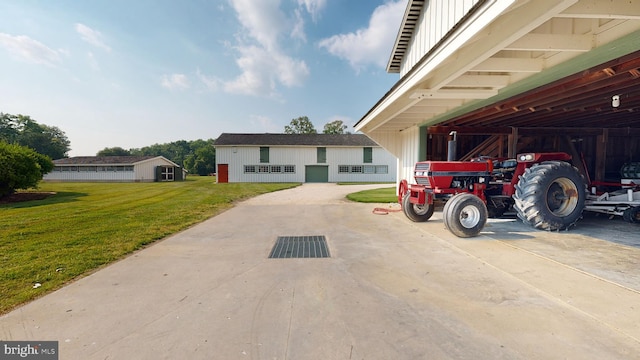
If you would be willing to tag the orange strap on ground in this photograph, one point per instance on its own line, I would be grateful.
(384, 211)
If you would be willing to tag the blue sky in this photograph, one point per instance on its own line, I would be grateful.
(135, 73)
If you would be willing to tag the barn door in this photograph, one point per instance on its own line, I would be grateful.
(223, 173)
(316, 173)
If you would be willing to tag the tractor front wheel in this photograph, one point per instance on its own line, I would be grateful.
(550, 195)
(415, 212)
(465, 215)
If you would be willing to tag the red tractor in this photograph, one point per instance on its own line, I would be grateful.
(544, 189)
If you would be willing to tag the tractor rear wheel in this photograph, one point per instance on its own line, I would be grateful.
(465, 215)
(415, 212)
(550, 195)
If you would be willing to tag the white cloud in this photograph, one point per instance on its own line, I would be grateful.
(264, 124)
(93, 62)
(30, 50)
(313, 7)
(290, 72)
(262, 19)
(175, 81)
(262, 71)
(91, 36)
(373, 44)
(210, 83)
(297, 32)
(263, 63)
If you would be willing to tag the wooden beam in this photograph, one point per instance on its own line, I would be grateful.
(502, 31)
(513, 143)
(453, 94)
(531, 131)
(576, 156)
(517, 65)
(469, 130)
(601, 155)
(598, 9)
(492, 81)
(552, 42)
(448, 103)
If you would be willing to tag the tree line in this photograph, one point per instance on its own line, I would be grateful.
(27, 149)
(23, 131)
(197, 156)
(302, 125)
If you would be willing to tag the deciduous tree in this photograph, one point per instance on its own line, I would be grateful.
(197, 156)
(21, 167)
(301, 125)
(113, 151)
(334, 127)
(22, 130)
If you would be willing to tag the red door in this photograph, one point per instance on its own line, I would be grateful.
(223, 173)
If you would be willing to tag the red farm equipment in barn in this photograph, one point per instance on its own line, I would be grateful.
(545, 190)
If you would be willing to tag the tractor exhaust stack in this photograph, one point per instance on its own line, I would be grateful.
(452, 146)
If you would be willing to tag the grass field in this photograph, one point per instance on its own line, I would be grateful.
(87, 225)
(382, 195)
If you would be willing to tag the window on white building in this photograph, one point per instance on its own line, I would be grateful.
(276, 169)
(166, 174)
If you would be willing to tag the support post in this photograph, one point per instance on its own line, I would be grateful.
(601, 155)
(513, 143)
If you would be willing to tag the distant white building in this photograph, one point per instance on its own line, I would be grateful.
(302, 158)
(115, 169)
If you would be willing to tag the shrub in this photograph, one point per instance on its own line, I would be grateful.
(21, 168)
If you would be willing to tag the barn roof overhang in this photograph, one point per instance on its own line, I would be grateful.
(540, 63)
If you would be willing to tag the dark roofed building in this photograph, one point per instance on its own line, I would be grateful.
(295, 139)
(115, 169)
(101, 160)
(302, 158)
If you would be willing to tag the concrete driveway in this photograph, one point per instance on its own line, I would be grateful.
(391, 289)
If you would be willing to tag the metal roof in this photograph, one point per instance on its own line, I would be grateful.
(228, 139)
(408, 26)
(103, 160)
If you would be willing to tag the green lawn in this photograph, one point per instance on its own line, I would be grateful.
(87, 225)
(382, 195)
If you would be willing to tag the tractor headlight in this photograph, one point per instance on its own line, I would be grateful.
(526, 157)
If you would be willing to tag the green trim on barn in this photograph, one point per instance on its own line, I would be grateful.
(264, 154)
(367, 155)
(178, 174)
(316, 173)
(321, 155)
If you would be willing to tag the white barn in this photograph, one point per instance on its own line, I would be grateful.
(115, 169)
(302, 158)
(512, 76)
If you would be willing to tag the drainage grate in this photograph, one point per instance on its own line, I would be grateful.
(300, 247)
